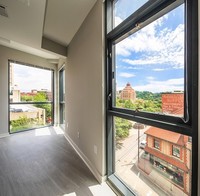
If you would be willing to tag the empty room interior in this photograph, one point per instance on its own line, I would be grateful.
(99, 97)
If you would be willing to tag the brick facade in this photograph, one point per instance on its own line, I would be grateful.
(165, 153)
(173, 103)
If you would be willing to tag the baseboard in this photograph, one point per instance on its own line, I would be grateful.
(94, 171)
(4, 135)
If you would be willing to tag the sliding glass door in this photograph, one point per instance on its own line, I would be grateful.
(30, 97)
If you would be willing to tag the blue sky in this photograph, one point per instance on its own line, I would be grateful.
(124, 8)
(28, 78)
(151, 59)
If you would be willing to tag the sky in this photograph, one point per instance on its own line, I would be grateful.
(28, 78)
(152, 59)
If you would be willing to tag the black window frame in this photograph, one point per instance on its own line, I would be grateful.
(150, 11)
(61, 95)
(30, 102)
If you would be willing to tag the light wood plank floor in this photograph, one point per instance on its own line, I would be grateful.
(42, 163)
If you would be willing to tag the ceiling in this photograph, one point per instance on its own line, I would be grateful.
(29, 22)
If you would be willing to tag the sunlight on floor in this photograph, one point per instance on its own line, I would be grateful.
(97, 190)
(47, 131)
(101, 189)
(58, 131)
(70, 194)
(42, 132)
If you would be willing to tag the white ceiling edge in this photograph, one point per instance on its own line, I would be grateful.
(64, 18)
(27, 49)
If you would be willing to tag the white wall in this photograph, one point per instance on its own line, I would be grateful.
(11, 54)
(85, 90)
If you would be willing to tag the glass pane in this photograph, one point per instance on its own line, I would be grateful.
(30, 84)
(124, 8)
(145, 160)
(150, 67)
(62, 97)
(28, 116)
(62, 115)
(62, 85)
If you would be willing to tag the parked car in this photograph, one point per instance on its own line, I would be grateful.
(143, 144)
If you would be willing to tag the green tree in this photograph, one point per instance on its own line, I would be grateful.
(128, 104)
(22, 123)
(146, 101)
(26, 98)
(122, 127)
(42, 97)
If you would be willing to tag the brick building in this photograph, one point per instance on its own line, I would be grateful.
(173, 103)
(170, 153)
(128, 93)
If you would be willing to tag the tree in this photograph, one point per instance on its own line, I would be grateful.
(42, 97)
(122, 127)
(26, 98)
(146, 101)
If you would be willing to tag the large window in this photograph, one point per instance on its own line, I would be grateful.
(149, 66)
(30, 97)
(152, 73)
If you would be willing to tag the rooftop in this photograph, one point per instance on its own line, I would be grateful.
(169, 136)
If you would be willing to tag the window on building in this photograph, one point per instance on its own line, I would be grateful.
(157, 144)
(152, 72)
(176, 151)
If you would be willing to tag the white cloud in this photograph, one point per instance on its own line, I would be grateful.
(130, 67)
(136, 68)
(120, 87)
(126, 75)
(162, 86)
(176, 81)
(118, 20)
(165, 46)
(28, 78)
(150, 78)
(159, 69)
